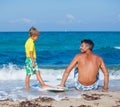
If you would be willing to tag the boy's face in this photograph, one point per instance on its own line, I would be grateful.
(35, 37)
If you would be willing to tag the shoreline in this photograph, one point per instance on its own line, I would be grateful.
(88, 99)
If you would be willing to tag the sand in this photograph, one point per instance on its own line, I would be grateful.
(88, 99)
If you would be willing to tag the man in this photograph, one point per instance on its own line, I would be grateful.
(88, 65)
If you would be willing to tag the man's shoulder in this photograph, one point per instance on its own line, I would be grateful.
(98, 57)
(79, 55)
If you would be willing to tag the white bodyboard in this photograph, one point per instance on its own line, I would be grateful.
(57, 89)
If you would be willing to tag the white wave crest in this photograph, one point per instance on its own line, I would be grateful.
(117, 47)
(13, 72)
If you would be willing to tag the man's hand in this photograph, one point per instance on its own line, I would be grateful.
(104, 89)
(106, 75)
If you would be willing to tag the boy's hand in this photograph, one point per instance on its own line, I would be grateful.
(33, 64)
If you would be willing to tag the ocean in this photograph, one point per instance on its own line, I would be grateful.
(55, 50)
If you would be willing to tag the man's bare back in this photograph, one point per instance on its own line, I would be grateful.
(88, 66)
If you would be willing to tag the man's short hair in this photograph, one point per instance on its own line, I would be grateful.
(89, 43)
(33, 31)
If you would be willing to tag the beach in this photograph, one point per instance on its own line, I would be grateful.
(57, 38)
(88, 99)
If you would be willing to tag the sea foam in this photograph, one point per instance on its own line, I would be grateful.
(13, 72)
(12, 82)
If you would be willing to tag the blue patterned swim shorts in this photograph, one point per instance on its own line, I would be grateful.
(82, 87)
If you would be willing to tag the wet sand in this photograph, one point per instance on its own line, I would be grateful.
(88, 99)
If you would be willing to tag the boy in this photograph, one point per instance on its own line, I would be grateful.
(31, 65)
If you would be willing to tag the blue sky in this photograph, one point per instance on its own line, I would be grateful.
(60, 15)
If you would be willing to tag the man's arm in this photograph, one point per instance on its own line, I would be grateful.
(106, 75)
(68, 70)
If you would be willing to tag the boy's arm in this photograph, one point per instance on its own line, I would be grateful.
(68, 70)
(32, 58)
(106, 75)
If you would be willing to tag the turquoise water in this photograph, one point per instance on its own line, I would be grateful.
(55, 50)
(58, 48)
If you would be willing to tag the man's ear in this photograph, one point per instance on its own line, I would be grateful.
(87, 47)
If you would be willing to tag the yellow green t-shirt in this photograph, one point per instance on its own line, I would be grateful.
(29, 46)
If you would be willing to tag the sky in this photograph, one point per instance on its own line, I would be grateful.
(60, 15)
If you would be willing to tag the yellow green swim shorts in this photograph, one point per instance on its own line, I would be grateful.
(30, 70)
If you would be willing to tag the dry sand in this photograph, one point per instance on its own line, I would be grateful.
(88, 99)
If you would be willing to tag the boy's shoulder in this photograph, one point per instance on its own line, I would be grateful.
(29, 40)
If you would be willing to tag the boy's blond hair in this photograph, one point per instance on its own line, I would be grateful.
(33, 31)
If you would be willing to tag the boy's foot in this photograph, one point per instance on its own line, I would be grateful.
(46, 86)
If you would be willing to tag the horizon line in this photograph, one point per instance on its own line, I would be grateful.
(68, 31)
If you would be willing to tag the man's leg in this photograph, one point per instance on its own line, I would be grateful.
(27, 81)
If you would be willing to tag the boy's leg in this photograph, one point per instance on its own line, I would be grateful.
(40, 80)
(27, 81)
